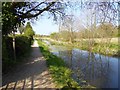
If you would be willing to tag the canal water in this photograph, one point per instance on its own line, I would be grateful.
(98, 70)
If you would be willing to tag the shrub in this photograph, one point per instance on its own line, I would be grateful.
(7, 48)
(29, 32)
(22, 45)
(7, 52)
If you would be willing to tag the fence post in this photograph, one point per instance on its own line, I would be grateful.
(14, 46)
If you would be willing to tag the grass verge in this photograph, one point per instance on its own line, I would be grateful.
(60, 73)
(104, 49)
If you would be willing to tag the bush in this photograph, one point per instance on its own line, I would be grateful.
(23, 45)
(7, 52)
(29, 31)
(7, 48)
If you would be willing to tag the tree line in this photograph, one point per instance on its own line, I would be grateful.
(105, 30)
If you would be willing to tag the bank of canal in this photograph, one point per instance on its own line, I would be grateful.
(98, 70)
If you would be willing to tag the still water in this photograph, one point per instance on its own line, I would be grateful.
(98, 70)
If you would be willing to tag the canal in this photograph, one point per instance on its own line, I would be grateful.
(96, 69)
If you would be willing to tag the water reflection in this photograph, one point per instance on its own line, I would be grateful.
(98, 70)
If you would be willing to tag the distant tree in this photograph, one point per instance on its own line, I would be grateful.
(21, 29)
(67, 24)
(29, 30)
(54, 35)
(64, 35)
(118, 31)
(106, 29)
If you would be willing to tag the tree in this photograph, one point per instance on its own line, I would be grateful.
(21, 29)
(118, 31)
(67, 24)
(54, 35)
(15, 13)
(106, 29)
(10, 21)
(29, 31)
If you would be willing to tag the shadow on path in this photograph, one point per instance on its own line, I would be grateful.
(31, 74)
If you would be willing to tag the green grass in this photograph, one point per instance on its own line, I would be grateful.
(97, 47)
(60, 73)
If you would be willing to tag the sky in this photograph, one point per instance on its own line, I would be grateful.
(44, 26)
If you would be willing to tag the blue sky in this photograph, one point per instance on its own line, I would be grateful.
(45, 26)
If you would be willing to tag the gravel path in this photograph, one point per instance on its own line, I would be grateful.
(31, 74)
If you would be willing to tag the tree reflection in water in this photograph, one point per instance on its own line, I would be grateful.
(98, 70)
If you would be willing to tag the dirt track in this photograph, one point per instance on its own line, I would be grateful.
(31, 74)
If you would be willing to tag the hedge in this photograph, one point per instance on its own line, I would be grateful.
(22, 46)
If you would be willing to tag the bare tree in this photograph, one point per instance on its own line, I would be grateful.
(67, 24)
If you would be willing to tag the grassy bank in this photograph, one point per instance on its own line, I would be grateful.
(60, 73)
(110, 50)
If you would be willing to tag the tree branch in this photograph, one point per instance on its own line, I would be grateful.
(28, 15)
